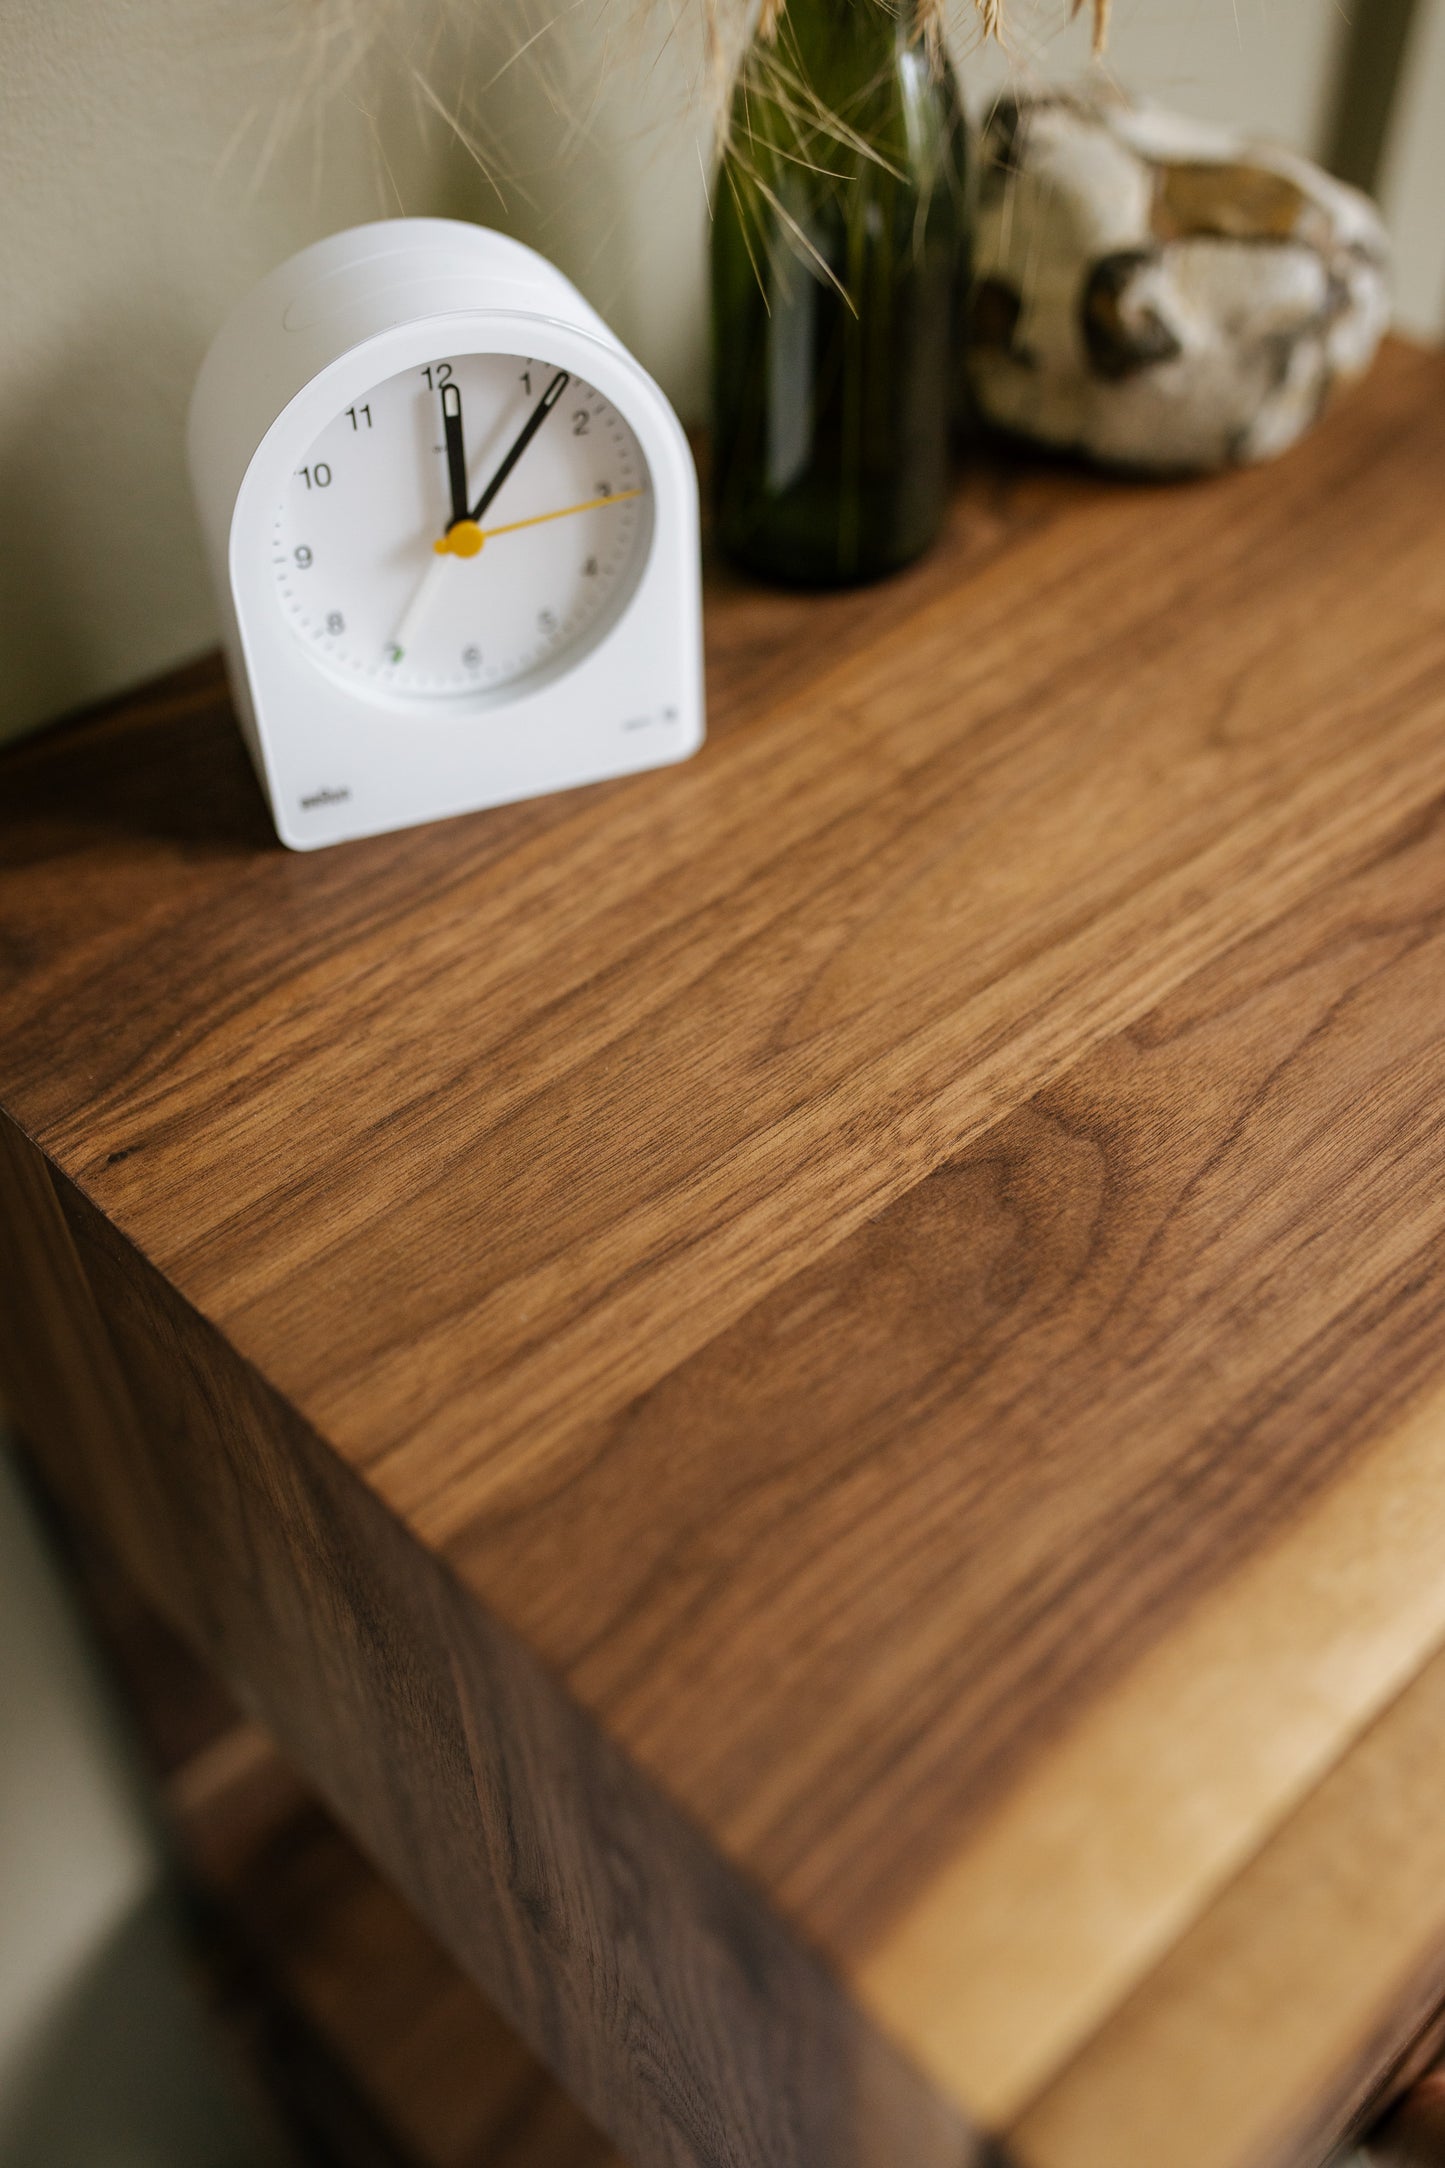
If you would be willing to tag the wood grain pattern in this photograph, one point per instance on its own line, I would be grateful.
(888, 1283)
(1103, 1855)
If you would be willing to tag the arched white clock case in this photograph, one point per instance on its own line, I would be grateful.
(341, 758)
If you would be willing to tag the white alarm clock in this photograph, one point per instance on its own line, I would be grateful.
(453, 528)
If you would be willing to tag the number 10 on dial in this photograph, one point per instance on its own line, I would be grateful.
(454, 530)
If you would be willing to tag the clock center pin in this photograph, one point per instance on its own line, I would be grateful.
(463, 539)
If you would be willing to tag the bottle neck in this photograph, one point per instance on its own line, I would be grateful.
(823, 37)
(829, 82)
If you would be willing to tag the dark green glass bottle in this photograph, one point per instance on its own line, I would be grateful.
(838, 227)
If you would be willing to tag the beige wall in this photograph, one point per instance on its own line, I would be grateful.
(105, 2055)
(77, 1857)
(152, 166)
(1266, 65)
(157, 155)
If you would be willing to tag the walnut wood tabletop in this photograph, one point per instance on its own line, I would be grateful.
(811, 1388)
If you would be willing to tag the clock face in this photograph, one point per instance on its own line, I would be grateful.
(462, 527)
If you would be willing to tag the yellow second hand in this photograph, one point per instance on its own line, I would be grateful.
(475, 536)
(539, 519)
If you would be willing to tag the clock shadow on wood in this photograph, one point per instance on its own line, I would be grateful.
(187, 780)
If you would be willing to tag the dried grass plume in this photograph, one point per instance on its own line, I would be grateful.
(452, 60)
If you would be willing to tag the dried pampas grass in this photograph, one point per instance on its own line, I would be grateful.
(473, 69)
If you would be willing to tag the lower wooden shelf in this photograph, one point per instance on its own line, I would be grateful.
(373, 2046)
(324, 1937)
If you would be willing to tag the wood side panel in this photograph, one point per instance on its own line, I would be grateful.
(667, 1998)
(58, 1370)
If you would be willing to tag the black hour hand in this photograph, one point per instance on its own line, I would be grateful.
(456, 452)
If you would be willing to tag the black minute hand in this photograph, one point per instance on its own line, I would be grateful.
(529, 429)
(456, 452)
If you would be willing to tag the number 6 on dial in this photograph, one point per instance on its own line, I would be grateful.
(453, 528)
